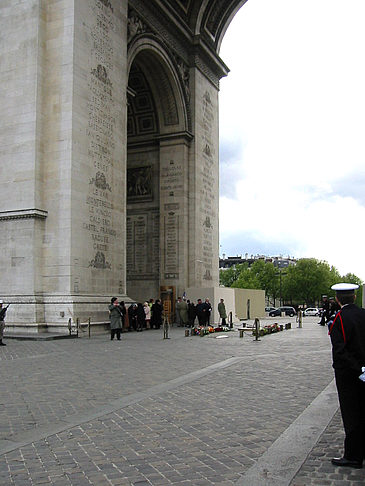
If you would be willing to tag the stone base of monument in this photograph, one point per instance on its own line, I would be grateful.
(52, 314)
(54, 331)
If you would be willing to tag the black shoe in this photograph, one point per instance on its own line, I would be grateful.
(342, 461)
(2, 344)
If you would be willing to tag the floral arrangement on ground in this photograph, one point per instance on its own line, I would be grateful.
(203, 331)
(271, 329)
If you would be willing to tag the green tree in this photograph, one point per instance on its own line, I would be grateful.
(306, 281)
(303, 283)
(265, 275)
(334, 276)
(259, 275)
(228, 276)
(247, 280)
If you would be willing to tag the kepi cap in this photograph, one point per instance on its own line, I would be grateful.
(344, 287)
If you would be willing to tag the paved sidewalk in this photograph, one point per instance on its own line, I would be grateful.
(195, 411)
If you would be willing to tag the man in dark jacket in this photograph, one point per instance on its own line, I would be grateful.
(347, 332)
(2, 321)
(156, 319)
(200, 312)
(207, 308)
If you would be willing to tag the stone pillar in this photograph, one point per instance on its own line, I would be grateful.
(22, 210)
(204, 185)
(98, 168)
(174, 211)
(62, 198)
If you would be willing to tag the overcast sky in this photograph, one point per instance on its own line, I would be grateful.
(292, 130)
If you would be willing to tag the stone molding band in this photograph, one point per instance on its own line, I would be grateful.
(23, 214)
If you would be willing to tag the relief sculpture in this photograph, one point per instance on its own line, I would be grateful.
(99, 261)
(100, 182)
(139, 183)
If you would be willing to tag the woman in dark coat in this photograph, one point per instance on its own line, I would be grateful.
(115, 313)
(156, 319)
(191, 313)
(132, 316)
(124, 315)
(141, 317)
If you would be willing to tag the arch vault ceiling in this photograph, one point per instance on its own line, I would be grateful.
(200, 24)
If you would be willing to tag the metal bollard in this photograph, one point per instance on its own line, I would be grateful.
(166, 328)
(241, 333)
(77, 326)
(89, 326)
(257, 329)
(230, 319)
(300, 319)
(69, 326)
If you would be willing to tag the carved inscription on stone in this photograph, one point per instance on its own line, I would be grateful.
(101, 109)
(208, 197)
(155, 244)
(99, 224)
(142, 246)
(171, 187)
(172, 179)
(171, 232)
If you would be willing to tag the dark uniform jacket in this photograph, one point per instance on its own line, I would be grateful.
(347, 334)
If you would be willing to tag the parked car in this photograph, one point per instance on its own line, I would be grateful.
(311, 311)
(269, 309)
(288, 311)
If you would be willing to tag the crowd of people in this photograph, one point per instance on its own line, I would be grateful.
(137, 317)
(149, 315)
(330, 307)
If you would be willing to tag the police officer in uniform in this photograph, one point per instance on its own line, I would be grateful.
(347, 333)
(325, 313)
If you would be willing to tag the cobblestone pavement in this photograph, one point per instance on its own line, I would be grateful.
(148, 411)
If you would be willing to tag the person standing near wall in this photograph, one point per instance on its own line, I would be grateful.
(191, 313)
(347, 333)
(207, 311)
(182, 311)
(116, 315)
(156, 318)
(222, 312)
(141, 317)
(200, 312)
(147, 311)
(132, 316)
(2, 321)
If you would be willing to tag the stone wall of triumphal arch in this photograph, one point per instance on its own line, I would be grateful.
(109, 153)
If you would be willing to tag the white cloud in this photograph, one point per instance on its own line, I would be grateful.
(292, 127)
